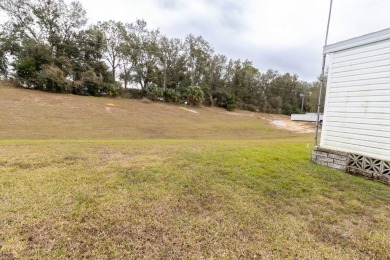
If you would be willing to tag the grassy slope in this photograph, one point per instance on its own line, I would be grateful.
(174, 197)
(39, 115)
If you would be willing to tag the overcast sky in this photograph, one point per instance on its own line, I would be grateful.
(286, 35)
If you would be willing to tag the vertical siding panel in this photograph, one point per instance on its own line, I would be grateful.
(354, 96)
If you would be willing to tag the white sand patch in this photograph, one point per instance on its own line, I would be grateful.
(279, 123)
(293, 126)
(189, 110)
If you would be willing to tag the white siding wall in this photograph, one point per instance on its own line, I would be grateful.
(357, 107)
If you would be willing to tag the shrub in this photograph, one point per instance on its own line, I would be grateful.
(110, 89)
(155, 93)
(231, 103)
(225, 100)
(296, 110)
(194, 95)
(133, 93)
(172, 96)
(249, 107)
(91, 83)
(51, 78)
(25, 69)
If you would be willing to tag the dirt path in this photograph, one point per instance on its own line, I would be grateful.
(189, 110)
(278, 121)
(293, 126)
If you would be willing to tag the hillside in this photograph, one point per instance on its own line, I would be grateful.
(30, 114)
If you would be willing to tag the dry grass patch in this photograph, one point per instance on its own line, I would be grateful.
(185, 199)
(29, 114)
(235, 187)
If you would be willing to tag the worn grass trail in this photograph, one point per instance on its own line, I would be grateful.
(184, 198)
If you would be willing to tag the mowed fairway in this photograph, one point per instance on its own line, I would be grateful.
(97, 178)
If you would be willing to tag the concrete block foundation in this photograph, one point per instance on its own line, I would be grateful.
(371, 168)
(333, 159)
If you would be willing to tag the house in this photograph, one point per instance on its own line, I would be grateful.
(356, 123)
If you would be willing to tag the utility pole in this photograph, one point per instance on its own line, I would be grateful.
(322, 78)
(302, 95)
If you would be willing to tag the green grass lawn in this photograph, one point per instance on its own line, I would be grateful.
(247, 191)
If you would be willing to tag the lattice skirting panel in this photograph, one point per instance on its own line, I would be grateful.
(369, 167)
(353, 163)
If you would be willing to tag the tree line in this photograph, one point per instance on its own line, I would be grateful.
(48, 45)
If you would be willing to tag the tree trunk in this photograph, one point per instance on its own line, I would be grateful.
(211, 100)
(113, 72)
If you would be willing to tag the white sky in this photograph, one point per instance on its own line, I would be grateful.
(286, 35)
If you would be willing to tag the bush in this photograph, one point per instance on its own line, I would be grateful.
(25, 69)
(231, 104)
(91, 83)
(155, 93)
(225, 100)
(133, 93)
(110, 89)
(51, 78)
(194, 95)
(172, 96)
(249, 107)
(296, 110)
